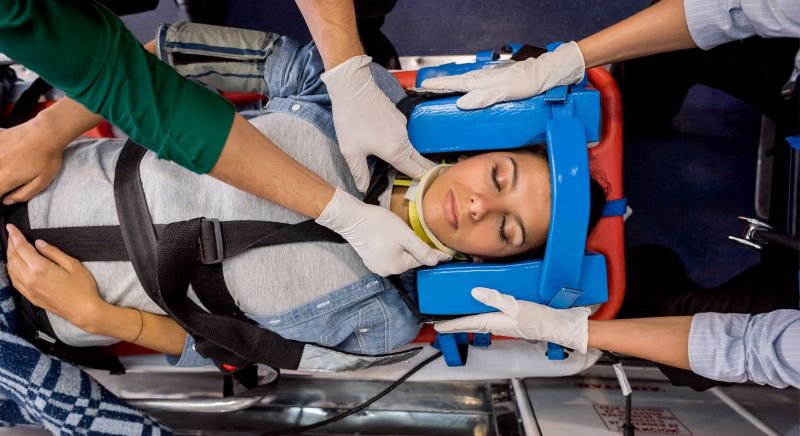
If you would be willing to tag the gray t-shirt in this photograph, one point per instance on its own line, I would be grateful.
(263, 281)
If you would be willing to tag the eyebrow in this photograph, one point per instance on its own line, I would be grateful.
(514, 185)
(521, 227)
(513, 172)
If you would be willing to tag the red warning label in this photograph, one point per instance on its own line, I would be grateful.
(655, 420)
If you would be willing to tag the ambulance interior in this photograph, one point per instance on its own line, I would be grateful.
(683, 189)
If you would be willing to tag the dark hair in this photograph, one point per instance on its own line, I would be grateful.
(597, 202)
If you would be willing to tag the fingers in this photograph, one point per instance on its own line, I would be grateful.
(404, 263)
(482, 98)
(14, 263)
(490, 297)
(453, 83)
(421, 251)
(8, 185)
(411, 163)
(468, 81)
(461, 82)
(482, 323)
(23, 249)
(442, 256)
(360, 171)
(24, 192)
(56, 255)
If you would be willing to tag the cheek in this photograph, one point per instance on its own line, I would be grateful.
(477, 239)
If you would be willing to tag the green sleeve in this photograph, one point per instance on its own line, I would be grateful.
(86, 51)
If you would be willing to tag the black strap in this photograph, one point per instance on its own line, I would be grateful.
(25, 106)
(176, 254)
(136, 227)
(407, 104)
(8, 77)
(33, 323)
(378, 182)
(527, 52)
(107, 243)
(175, 264)
(165, 258)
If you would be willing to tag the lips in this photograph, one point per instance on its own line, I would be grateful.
(451, 209)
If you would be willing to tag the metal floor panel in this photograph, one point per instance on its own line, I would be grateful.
(595, 406)
(442, 409)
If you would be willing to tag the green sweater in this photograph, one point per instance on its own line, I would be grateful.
(86, 51)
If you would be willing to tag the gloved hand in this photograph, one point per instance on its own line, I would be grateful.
(562, 66)
(524, 319)
(30, 157)
(385, 243)
(367, 123)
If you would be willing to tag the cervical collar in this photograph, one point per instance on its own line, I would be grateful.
(416, 216)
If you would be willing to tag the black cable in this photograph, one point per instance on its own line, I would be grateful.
(358, 408)
(627, 427)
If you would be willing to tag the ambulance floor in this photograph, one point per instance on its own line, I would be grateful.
(588, 404)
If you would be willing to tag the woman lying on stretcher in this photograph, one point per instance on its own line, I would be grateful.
(488, 206)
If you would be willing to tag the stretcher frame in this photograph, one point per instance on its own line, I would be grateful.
(521, 358)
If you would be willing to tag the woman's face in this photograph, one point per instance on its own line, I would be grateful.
(491, 205)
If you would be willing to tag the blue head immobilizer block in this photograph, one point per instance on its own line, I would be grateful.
(566, 118)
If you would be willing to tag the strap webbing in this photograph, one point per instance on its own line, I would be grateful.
(165, 258)
(25, 106)
(136, 226)
(107, 243)
(615, 207)
(174, 267)
(165, 268)
(412, 99)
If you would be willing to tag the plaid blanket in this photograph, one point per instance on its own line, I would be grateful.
(43, 390)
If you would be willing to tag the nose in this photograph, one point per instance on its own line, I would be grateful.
(480, 205)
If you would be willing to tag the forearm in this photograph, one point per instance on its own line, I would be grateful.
(332, 24)
(253, 163)
(66, 120)
(663, 340)
(86, 51)
(158, 333)
(660, 28)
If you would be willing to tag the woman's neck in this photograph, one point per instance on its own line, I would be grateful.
(398, 203)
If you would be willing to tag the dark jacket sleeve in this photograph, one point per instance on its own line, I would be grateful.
(86, 51)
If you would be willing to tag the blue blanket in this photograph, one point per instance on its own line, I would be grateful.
(43, 390)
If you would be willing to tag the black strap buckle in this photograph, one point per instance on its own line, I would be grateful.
(210, 256)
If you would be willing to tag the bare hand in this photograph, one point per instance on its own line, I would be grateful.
(30, 157)
(52, 280)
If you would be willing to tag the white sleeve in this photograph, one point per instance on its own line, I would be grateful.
(714, 22)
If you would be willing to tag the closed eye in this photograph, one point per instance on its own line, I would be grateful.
(503, 237)
(494, 178)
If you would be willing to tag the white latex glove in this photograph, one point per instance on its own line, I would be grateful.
(524, 319)
(385, 243)
(368, 123)
(562, 66)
